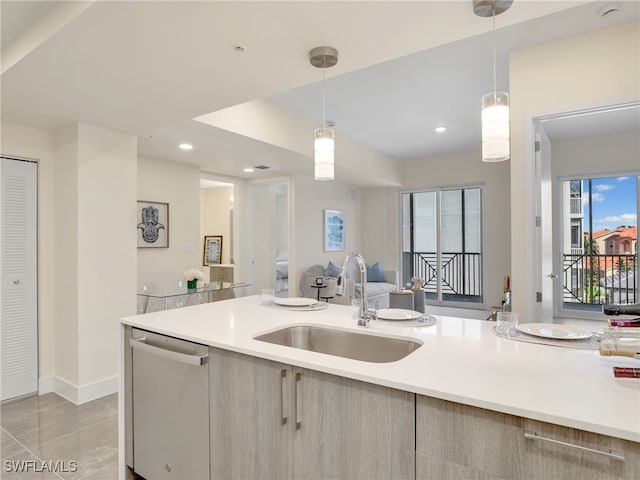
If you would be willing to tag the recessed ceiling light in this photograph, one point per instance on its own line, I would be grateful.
(185, 146)
(440, 129)
(248, 169)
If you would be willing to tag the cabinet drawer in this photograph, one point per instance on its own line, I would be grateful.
(483, 441)
(433, 468)
(543, 458)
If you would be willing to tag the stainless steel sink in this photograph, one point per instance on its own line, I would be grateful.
(342, 343)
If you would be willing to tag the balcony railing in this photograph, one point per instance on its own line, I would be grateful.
(576, 205)
(591, 280)
(461, 274)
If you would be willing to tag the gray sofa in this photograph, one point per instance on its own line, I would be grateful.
(376, 291)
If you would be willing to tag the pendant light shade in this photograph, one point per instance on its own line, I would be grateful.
(495, 127)
(323, 145)
(323, 154)
(495, 105)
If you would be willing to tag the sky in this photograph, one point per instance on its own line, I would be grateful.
(615, 202)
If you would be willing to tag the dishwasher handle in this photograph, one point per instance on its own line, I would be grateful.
(140, 344)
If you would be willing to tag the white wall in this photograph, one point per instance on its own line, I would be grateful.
(67, 365)
(610, 154)
(179, 185)
(380, 236)
(95, 256)
(596, 68)
(381, 210)
(106, 256)
(310, 199)
(38, 144)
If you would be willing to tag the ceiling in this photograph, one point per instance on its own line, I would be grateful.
(150, 68)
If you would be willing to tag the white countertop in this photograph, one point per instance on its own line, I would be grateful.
(460, 360)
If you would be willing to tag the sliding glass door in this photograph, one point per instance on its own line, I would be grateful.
(442, 243)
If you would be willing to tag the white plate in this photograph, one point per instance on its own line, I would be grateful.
(295, 301)
(548, 330)
(397, 314)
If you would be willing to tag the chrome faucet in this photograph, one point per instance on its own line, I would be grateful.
(365, 314)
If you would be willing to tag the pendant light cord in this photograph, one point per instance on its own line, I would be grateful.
(494, 49)
(324, 67)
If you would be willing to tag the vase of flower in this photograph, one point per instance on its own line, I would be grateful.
(192, 276)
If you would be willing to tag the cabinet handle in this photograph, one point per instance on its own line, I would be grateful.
(283, 376)
(140, 344)
(611, 454)
(295, 400)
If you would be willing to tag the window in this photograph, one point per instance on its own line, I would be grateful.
(442, 243)
(603, 268)
(576, 236)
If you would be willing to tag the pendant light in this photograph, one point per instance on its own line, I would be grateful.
(495, 105)
(323, 145)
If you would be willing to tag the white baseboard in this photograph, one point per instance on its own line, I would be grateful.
(45, 385)
(78, 394)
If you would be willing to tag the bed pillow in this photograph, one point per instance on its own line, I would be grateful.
(332, 270)
(374, 273)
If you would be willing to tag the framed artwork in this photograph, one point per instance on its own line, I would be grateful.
(334, 230)
(153, 226)
(212, 250)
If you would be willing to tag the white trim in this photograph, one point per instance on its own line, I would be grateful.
(78, 394)
(528, 305)
(45, 385)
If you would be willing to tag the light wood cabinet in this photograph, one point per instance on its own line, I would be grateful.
(351, 429)
(544, 458)
(249, 397)
(334, 428)
(221, 273)
(457, 441)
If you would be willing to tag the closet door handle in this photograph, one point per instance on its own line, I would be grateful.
(295, 401)
(283, 376)
(613, 455)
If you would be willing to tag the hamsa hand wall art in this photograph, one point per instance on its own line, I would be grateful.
(153, 229)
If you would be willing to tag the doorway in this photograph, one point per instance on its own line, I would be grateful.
(269, 211)
(583, 159)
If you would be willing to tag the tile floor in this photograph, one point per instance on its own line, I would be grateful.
(46, 429)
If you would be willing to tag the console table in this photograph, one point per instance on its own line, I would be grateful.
(208, 290)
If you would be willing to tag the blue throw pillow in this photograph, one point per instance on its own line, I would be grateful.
(374, 273)
(332, 270)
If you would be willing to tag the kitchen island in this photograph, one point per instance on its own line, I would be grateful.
(461, 371)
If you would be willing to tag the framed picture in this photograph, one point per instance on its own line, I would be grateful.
(153, 224)
(212, 250)
(334, 230)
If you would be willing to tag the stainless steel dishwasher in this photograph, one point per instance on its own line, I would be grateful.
(170, 407)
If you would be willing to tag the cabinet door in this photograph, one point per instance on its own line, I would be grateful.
(457, 441)
(250, 419)
(543, 459)
(221, 274)
(351, 429)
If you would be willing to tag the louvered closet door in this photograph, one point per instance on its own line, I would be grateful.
(18, 302)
